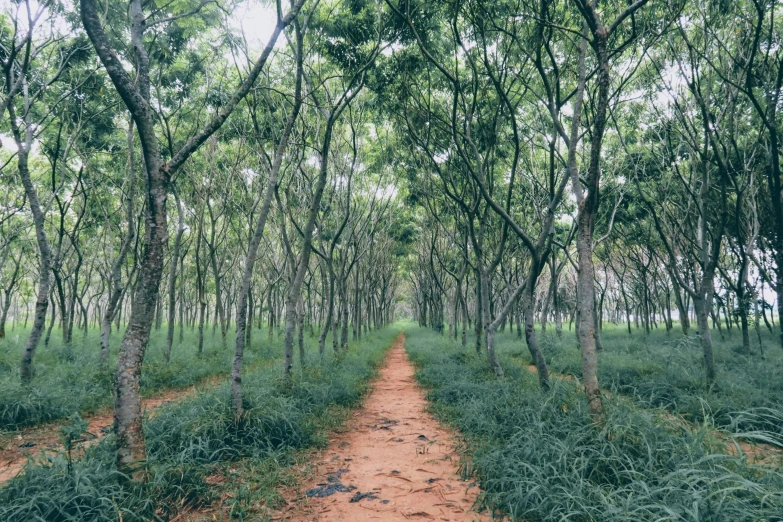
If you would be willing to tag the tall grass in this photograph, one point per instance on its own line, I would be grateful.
(662, 370)
(72, 380)
(539, 457)
(189, 441)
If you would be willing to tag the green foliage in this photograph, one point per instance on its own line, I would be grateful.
(538, 456)
(70, 433)
(191, 440)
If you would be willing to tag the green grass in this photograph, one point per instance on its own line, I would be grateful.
(538, 457)
(198, 437)
(666, 371)
(69, 381)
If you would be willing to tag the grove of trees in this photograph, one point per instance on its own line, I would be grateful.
(539, 167)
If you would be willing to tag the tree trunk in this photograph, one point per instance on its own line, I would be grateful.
(344, 301)
(173, 263)
(44, 252)
(702, 305)
(530, 336)
(479, 327)
(585, 307)
(249, 320)
(329, 311)
(8, 293)
(135, 93)
(258, 233)
(307, 236)
(494, 364)
(300, 320)
(545, 305)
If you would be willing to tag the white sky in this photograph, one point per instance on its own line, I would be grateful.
(257, 20)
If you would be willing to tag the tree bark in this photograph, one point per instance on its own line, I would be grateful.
(44, 252)
(8, 293)
(530, 337)
(173, 262)
(702, 305)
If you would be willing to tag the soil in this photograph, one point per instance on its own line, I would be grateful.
(394, 463)
(44, 439)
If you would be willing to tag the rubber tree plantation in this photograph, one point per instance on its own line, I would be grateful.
(553, 228)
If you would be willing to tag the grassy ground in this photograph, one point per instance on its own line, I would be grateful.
(197, 451)
(71, 380)
(663, 370)
(539, 457)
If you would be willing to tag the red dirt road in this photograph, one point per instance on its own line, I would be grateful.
(395, 463)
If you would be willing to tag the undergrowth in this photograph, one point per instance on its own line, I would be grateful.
(192, 440)
(67, 381)
(667, 371)
(538, 456)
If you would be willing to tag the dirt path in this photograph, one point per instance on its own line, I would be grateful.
(395, 463)
(42, 439)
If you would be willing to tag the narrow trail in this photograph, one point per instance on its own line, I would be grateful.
(42, 439)
(394, 463)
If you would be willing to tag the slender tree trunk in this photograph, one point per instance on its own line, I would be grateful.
(247, 276)
(599, 345)
(757, 321)
(4, 314)
(479, 326)
(200, 293)
(173, 263)
(202, 316)
(300, 320)
(494, 364)
(44, 252)
(8, 293)
(307, 237)
(336, 321)
(745, 327)
(545, 305)
(356, 320)
(530, 336)
(182, 318)
(329, 311)
(702, 305)
(344, 332)
(585, 303)
(587, 210)
(219, 309)
(249, 321)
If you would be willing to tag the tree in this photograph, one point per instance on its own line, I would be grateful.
(131, 452)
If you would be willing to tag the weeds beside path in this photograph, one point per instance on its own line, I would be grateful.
(755, 452)
(197, 449)
(539, 456)
(42, 440)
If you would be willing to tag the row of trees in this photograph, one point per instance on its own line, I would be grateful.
(560, 158)
(283, 213)
(634, 289)
(580, 158)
